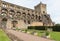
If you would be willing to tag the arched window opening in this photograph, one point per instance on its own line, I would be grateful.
(40, 20)
(28, 22)
(3, 23)
(11, 10)
(3, 14)
(4, 5)
(25, 21)
(43, 11)
(28, 14)
(45, 15)
(32, 14)
(14, 23)
(4, 19)
(36, 16)
(24, 13)
(4, 9)
(39, 17)
(18, 13)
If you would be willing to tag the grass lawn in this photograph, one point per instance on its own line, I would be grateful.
(3, 36)
(54, 35)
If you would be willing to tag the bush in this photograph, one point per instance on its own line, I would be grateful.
(37, 27)
(25, 30)
(54, 28)
(47, 33)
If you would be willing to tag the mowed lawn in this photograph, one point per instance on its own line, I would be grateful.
(3, 36)
(55, 36)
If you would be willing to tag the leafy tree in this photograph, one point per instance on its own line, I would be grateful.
(57, 24)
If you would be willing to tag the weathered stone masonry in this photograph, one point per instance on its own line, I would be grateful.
(12, 16)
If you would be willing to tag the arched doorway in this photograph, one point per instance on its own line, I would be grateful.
(14, 24)
(4, 22)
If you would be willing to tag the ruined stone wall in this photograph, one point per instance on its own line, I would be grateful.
(28, 16)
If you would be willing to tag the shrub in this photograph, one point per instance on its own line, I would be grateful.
(54, 28)
(37, 27)
(47, 33)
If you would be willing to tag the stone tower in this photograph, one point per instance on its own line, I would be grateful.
(41, 8)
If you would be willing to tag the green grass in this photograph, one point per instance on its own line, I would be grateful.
(40, 33)
(55, 36)
(3, 36)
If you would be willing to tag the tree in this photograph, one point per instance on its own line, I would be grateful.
(57, 24)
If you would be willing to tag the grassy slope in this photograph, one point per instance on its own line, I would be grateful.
(3, 36)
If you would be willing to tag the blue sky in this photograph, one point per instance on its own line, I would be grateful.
(53, 7)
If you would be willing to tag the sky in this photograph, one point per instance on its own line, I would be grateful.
(53, 7)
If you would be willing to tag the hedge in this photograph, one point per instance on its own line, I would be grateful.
(55, 28)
